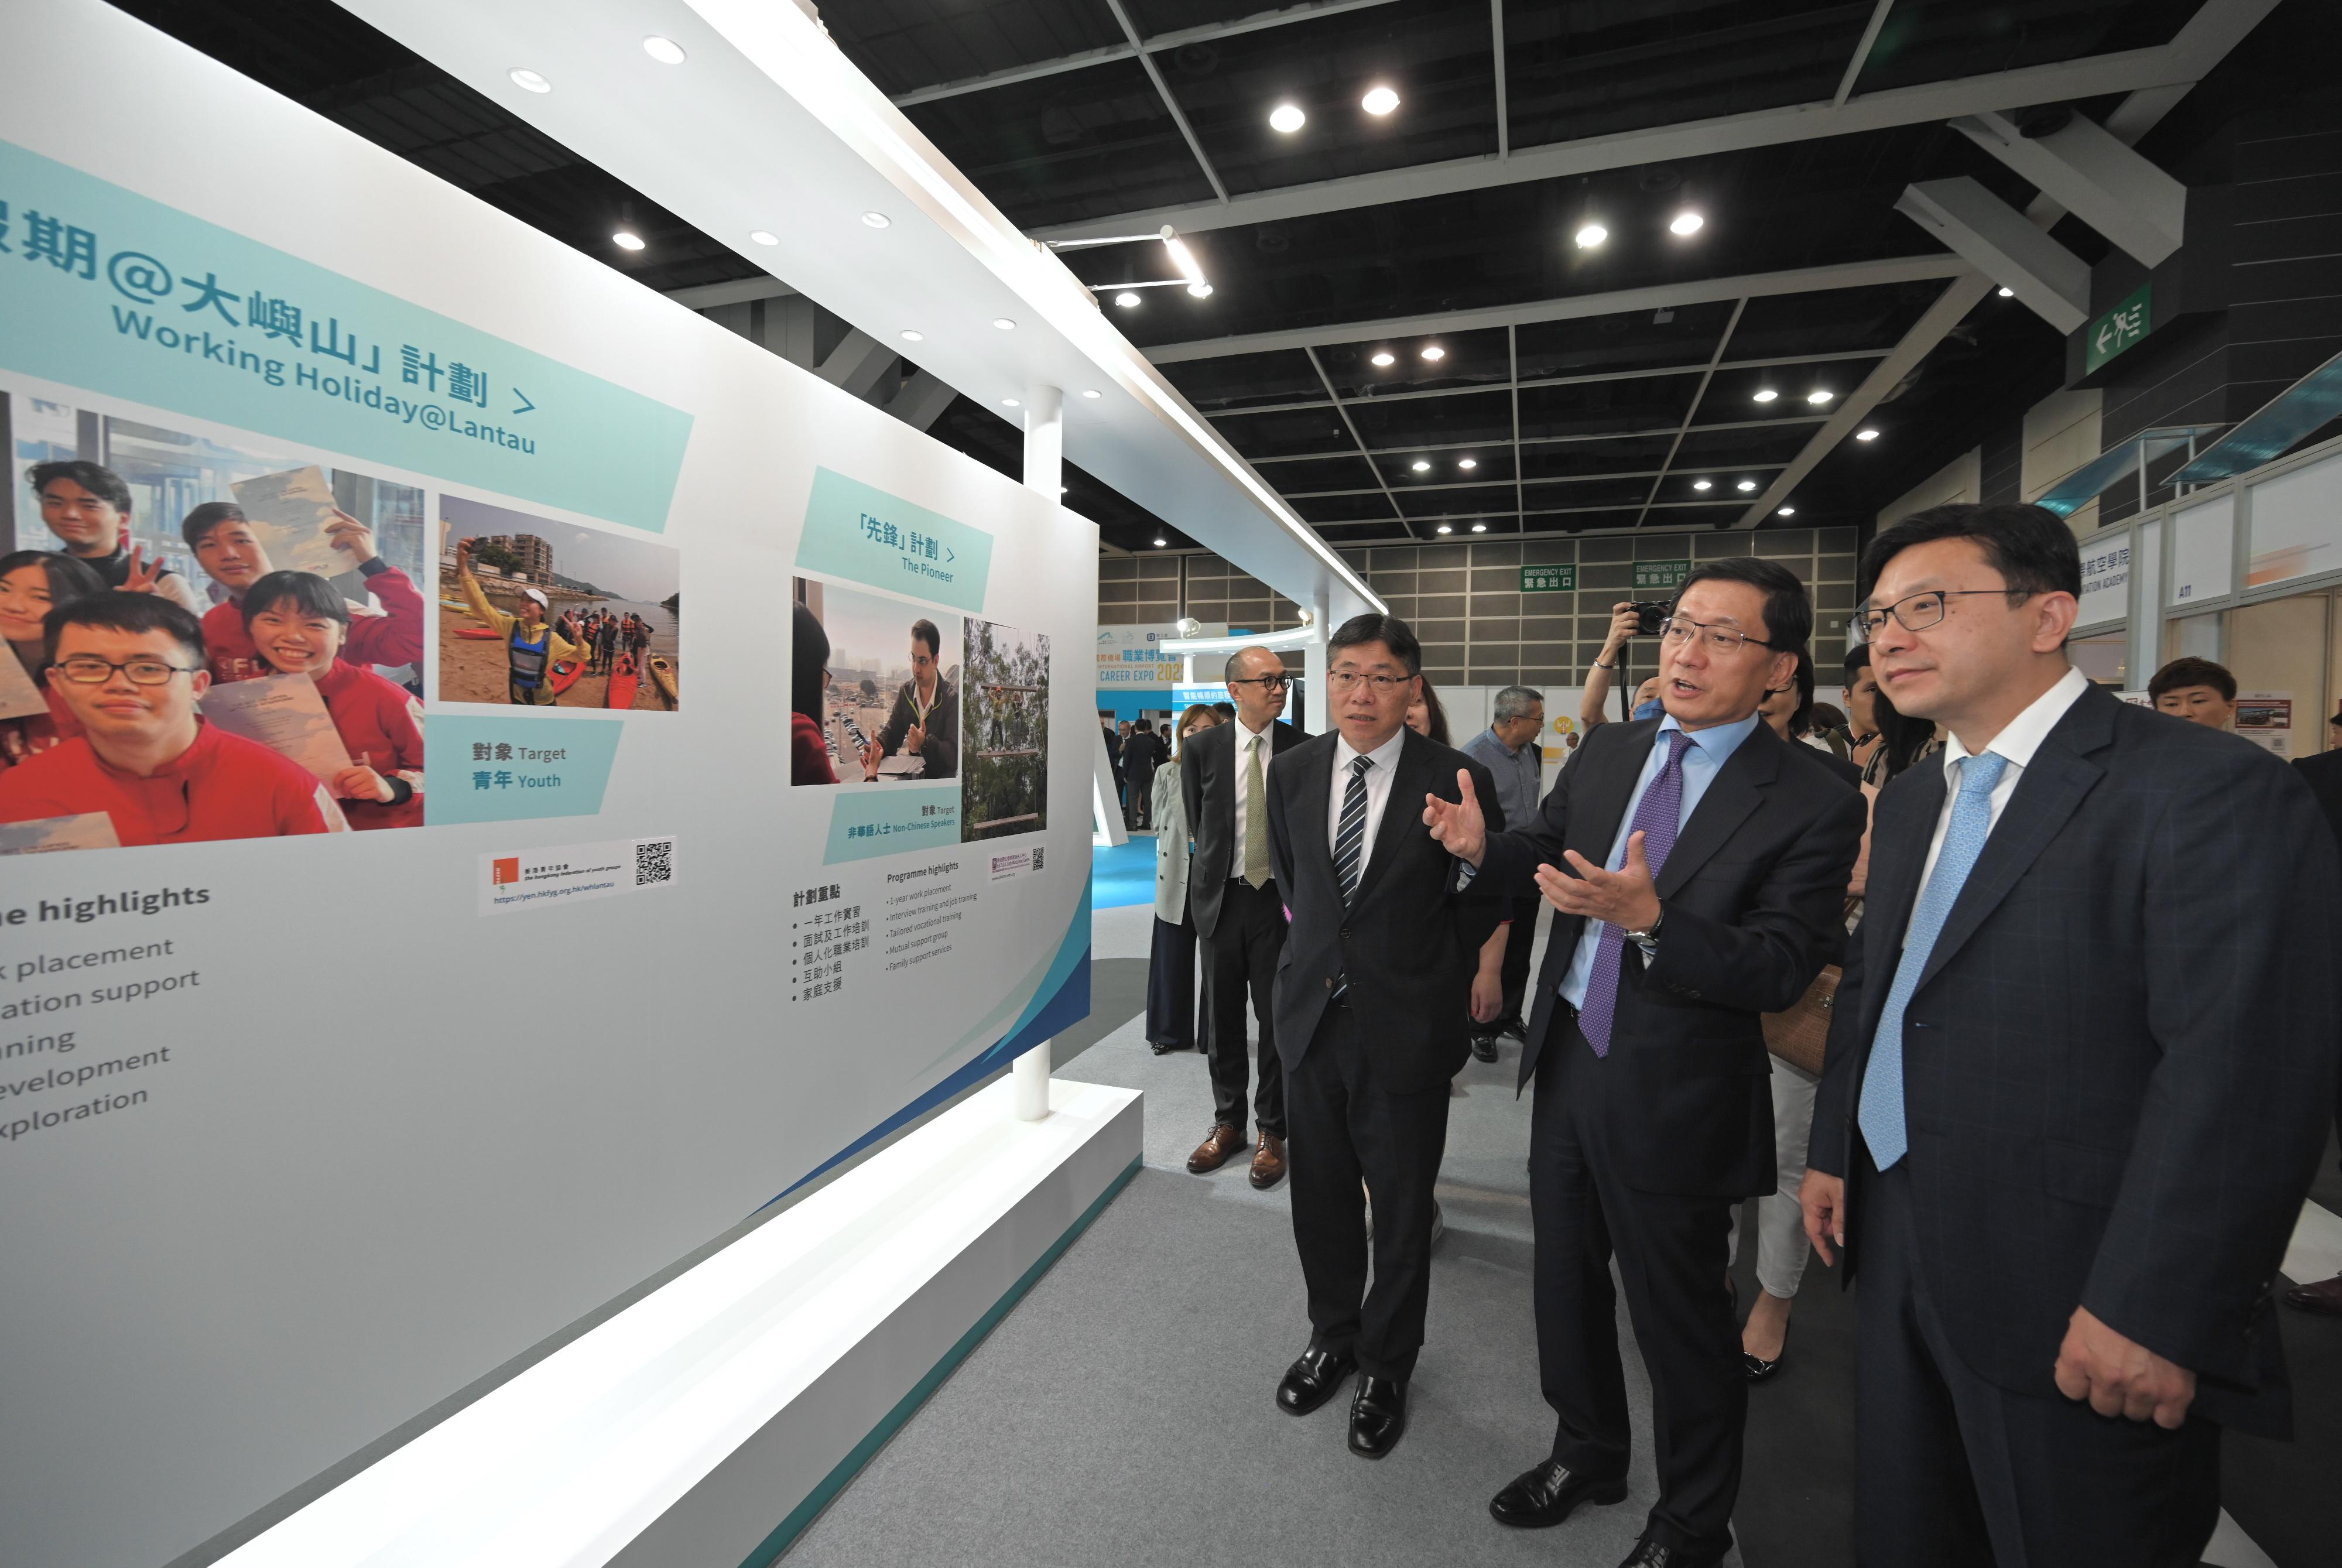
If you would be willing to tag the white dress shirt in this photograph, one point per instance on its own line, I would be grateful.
(1245, 740)
(1384, 770)
(2016, 743)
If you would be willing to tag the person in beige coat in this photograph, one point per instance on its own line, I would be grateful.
(1171, 968)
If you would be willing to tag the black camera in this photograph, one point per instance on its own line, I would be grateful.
(1649, 617)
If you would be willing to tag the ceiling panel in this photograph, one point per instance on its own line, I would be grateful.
(1570, 459)
(1491, 464)
(1934, 40)
(1342, 508)
(1735, 395)
(1776, 443)
(904, 47)
(1598, 407)
(1645, 340)
(1472, 501)
(1321, 473)
(1584, 492)
(1830, 321)
(1286, 434)
(1246, 380)
(1467, 417)
(1570, 520)
(1459, 359)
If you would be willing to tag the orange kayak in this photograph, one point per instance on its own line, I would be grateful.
(624, 681)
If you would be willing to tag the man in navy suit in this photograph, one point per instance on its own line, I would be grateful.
(2077, 1081)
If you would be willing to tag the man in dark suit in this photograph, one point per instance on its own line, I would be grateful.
(1239, 908)
(1698, 865)
(2077, 1079)
(2323, 774)
(1372, 1007)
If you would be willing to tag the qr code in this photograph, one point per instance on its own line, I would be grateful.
(1036, 859)
(654, 862)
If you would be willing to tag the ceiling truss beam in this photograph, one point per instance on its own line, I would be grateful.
(1995, 239)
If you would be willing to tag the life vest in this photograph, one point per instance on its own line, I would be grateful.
(528, 658)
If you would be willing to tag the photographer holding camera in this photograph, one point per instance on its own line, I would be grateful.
(1627, 620)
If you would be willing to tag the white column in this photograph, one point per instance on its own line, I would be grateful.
(1312, 671)
(1045, 462)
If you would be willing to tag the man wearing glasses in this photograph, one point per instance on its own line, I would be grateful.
(1239, 908)
(130, 667)
(2078, 1074)
(1697, 864)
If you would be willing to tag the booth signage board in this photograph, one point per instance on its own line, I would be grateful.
(1128, 660)
(303, 1134)
(1548, 579)
(1663, 576)
(2265, 719)
(2119, 329)
(2106, 579)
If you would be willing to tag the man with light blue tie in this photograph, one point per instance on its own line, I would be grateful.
(2076, 1080)
(1697, 865)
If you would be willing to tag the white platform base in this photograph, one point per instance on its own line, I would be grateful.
(706, 1424)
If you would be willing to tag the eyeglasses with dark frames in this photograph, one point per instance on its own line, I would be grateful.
(1917, 611)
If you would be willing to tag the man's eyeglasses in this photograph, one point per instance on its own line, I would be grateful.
(1265, 683)
(1380, 685)
(1917, 611)
(1677, 630)
(89, 670)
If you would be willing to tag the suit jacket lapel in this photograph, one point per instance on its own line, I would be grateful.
(2053, 784)
(1308, 815)
(1737, 790)
(1409, 779)
(1593, 824)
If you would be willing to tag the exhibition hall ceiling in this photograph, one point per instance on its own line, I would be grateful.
(1532, 266)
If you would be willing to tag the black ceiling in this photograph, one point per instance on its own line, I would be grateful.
(1603, 421)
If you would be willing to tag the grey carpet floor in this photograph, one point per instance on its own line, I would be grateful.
(1122, 1414)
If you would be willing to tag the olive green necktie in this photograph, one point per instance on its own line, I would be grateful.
(1256, 819)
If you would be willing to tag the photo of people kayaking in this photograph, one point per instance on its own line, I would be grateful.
(540, 613)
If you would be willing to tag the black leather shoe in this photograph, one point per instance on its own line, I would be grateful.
(1650, 1553)
(1314, 1379)
(1484, 1046)
(1165, 1048)
(1546, 1495)
(1377, 1416)
(1757, 1369)
(1516, 1030)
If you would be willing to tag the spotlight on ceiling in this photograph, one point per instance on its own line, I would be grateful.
(1789, 512)
(528, 80)
(1746, 485)
(1687, 223)
(666, 51)
(877, 220)
(1765, 394)
(1385, 359)
(1010, 403)
(1287, 118)
(1433, 352)
(1127, 300)
(1092, 391)
(1421, 465)
(2006, 292)
(1200, 290)
(1703, 484)
(1467, 463)
(1865, 436)
(1820, 396)
(627, 240)
(1378, 100)
(1159, 544)
(1443, 528)
(1479, 527)
(765, 236)
(910, 336)
(1592, 234)
(1003, 324)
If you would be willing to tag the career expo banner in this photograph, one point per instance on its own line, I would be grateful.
(500, 780)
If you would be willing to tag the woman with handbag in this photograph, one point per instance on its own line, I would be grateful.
(1171, 963)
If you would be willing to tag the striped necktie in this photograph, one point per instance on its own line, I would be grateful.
(1350, 835)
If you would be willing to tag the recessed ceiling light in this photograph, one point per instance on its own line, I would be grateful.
(1468, 463)
(666, 51)
(1443, 528)
(528, 80)
(1421, 465)
(1092, 391)
(2006, 292)
(1479, 527)
(1286, 117)
(1592, 234)
(1865, 436)
(877, 220)
(1789, 512)
(1820, 396)
(1378, 100)
(1061, 490)
(1003, 324)
(1159, 544)
(1687, 223)
(1385, 359)
(1433, 352)
(910, 336)
(1765, 394)
(765, 236)
(627, 240)
(1127, 300)
(1703, 484)
(1746, 484)
(1200, 290)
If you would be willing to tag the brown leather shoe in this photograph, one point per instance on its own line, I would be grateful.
(1216, 1149)
(1268, 1162)
(2324, 1296)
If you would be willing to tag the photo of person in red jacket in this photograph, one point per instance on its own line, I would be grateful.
(299, 625)
(229, 548)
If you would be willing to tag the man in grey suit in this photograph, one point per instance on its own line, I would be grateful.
(2077, 1079)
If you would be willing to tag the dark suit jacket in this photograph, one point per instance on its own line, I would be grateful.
(1753, 895)
(2119, 1063)
(2323, 774)
(1207, 781)
(1409, 942)
(942, 750)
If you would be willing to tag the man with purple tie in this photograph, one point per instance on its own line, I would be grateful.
(1697, 865)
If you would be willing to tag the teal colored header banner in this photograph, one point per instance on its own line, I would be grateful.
(861, 533)
(106, 290)
(515, 769)
(889, 819)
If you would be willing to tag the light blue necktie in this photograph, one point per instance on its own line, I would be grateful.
(1881, 1115)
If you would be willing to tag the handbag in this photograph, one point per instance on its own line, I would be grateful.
(1799, 1035)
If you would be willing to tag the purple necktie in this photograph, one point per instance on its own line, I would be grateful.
(1655, 820)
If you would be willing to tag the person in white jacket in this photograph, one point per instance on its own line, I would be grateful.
(1171, 966)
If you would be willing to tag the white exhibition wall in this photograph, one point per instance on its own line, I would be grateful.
(297, 1142)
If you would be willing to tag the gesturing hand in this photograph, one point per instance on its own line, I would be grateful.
(915, 739)
(141, 579)
(2120, 1376)
(1625, 897)
(346, 533)
(1823, 1198)
(1459, 826)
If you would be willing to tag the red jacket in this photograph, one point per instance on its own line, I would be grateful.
(393, 637)
(380, 723)
(222, 786)
(808, 753)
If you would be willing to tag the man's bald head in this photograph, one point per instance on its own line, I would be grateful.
(1256, 678)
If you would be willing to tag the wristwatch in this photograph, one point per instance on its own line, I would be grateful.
(1648, 938)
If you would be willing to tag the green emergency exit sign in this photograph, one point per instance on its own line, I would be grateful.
(2119, 328)
(1548, 579)
(1661, 574)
